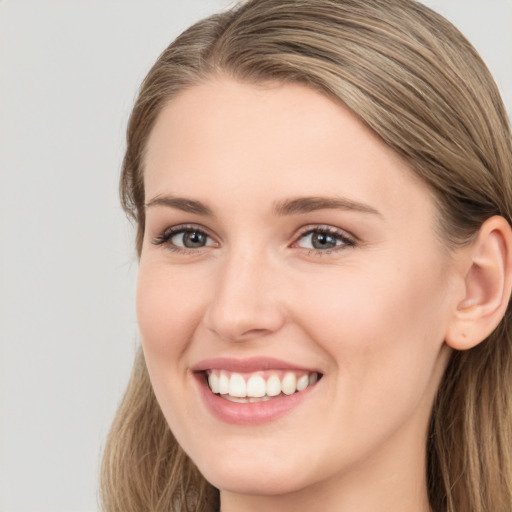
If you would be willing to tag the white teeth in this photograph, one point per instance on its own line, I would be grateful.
(302, 383)
(213, 381)
(289, 384)
(235, 387)
(236, 399)
(253, 400)
(223, 384)
(273, 386)
(256, 386)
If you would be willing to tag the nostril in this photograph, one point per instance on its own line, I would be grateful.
(256, 333)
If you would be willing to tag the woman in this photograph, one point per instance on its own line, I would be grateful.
(323, 197)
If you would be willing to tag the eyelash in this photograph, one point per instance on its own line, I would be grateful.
(167, 234)
(339, 235)
(346, 240)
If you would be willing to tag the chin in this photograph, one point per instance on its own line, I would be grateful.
(253, 477)
(254, 483)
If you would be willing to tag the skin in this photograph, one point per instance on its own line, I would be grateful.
(371, 315)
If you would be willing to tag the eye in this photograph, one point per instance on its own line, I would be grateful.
(184, 237)
(323, 239)
(189, 239)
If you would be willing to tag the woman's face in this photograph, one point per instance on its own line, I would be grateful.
(285, 243)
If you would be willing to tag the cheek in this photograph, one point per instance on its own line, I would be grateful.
(383, 330)
(369, 306)
(168, 310)
(168, 313)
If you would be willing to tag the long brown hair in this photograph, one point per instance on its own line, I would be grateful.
(420, 86)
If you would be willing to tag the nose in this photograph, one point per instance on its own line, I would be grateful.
(245, 302)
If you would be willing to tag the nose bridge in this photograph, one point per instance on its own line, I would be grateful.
(244, 303)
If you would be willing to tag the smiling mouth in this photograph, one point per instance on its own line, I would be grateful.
(259, 386)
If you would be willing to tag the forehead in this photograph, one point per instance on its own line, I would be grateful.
(200, 112)
(262, 139)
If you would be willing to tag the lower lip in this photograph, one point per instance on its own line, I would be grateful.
(250, 413)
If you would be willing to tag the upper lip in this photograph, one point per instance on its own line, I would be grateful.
(252, 364)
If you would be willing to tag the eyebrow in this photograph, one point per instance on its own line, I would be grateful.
(294, 206)
(181, 203)
(311, 204)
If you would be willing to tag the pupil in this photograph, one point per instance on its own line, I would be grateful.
(194, 239)
(323, 241)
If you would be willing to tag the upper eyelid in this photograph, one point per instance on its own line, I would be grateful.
(305, 230)
(186, 227)
(163, 237)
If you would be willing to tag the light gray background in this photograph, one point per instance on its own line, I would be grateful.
(69, 71)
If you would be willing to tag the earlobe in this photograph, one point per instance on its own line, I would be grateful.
(487, 285)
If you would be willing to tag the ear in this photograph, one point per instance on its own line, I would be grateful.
(487, 287)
